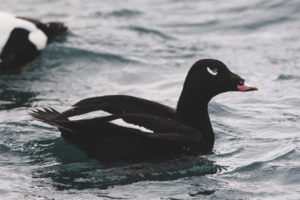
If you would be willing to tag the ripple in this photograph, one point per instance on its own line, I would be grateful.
(283, 77)
(257, 24)
(76, 53)
(259, 164)
(4, 148)
(124, 13)
(11, 98)
(88, 175)
(198, 24)
(259, 5)
(147, 31)
(231, 153)
(221, 110)
(283, 175)
(204, 192)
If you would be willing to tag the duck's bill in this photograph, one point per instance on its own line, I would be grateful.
(246, 88)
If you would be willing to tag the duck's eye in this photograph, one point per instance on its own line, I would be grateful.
(212, 71)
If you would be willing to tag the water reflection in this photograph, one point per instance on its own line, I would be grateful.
(13, 98)
(69, 168)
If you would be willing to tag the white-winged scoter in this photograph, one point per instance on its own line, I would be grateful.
(186, 130)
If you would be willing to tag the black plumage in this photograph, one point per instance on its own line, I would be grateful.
(184, 131)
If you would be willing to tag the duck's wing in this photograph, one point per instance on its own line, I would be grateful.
(119, 104)
(160, 127)
(157, 127)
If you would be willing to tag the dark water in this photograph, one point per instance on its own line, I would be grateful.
(145, 48)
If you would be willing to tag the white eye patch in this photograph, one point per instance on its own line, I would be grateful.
(213, 71)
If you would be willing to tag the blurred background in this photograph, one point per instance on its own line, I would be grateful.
(145, 48)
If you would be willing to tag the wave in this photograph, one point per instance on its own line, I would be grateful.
(258, 164)
(80, 175)
(4, 148)
(77, 53)
(69, 168)
(198, 24)
(258, 23)
(143, 30)
(221, 110)
(287, 77)
(124, 13)
(11, 98)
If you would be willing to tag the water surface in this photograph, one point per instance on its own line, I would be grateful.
(145, 48)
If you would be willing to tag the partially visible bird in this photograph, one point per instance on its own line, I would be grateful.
(22, 40)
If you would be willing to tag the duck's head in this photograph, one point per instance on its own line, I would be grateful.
(53, 29)
(209, 77)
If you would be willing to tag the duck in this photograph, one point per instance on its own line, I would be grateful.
(22, 40)
(149, 130)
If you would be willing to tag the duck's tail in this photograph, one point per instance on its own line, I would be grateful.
(47, 115)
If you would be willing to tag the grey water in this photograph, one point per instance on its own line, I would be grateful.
(145, 48)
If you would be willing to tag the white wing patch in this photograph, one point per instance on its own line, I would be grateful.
(90, 115)
(121, 122)
(38, 38)
(213, 71)
(9, 22)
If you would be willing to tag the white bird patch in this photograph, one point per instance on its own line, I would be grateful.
(121, 122)
(9, 22)
(90, 115)
(213, 71)
(38, 38)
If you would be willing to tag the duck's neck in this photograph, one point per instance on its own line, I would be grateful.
(193, 112)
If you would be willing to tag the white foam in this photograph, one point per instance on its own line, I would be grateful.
(8, 22)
